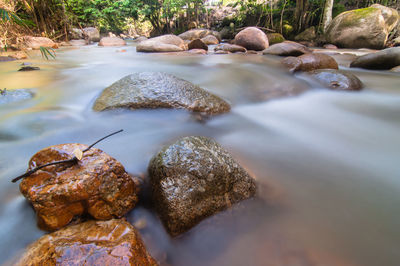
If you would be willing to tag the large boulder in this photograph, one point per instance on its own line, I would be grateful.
(96, 185)
(199, 34)
(337, 79)
(112, 41)
(308, 62)
(113, 242)
(252, 38)
(10, 96)
(308, 35)
(384, 59)
(37, 42)
(195, 178)
(287, 48)
(92, 34)
(162, 44)
(159, 90)
(362, 28)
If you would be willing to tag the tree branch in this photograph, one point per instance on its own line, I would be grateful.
(73, 160)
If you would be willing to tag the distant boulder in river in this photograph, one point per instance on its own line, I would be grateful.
(385, 59)
(252, 38)
(112, 41)
(162, 44)
(363, 28)
(199, 34)
(159, 90)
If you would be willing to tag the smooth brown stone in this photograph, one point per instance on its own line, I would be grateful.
(113, 242)
(97, 185)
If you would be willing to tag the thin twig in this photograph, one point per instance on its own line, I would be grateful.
(73, 160)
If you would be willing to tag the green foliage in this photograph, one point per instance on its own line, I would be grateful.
(108, 15)
(47, 52)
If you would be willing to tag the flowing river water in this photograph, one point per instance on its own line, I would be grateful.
(327, 163)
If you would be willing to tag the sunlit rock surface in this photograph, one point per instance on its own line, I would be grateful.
(97, 185)
(113, 242)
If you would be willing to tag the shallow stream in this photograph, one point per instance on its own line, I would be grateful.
(327, 163)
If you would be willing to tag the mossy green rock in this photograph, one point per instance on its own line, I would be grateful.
(385, 59)
(274, 38)
(363, 28)
(308, 35)
(195, 178)
(159, 90)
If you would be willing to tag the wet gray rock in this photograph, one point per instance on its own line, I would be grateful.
(384, 59)
(195, 178)
(159, 90)
(9, 96)
(337, 79)
(287, 48)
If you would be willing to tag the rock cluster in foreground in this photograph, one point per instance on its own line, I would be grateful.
(113, 242)
(159, 90)
(97, 185)
(195, 178)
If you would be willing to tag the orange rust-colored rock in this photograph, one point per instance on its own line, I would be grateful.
(97, 185)
(309, 62)
(113, 242)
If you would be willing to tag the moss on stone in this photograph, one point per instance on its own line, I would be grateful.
(354, 17)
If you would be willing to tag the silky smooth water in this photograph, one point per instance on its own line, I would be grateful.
(327, 163)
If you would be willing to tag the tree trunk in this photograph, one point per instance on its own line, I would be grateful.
(299, 15)
(327, 14)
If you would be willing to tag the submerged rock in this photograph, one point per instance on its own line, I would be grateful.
(29, 68)
(337, 79)
(384, 59)
(112, 41)
(363, 28)
(97, 185)
(231, 48)
(195, 178)
(287, 48)
(159, 90)
(199, 34)
(163, 44)
(252, 38)
(113, 242)
(10, 96)
(308, 62)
